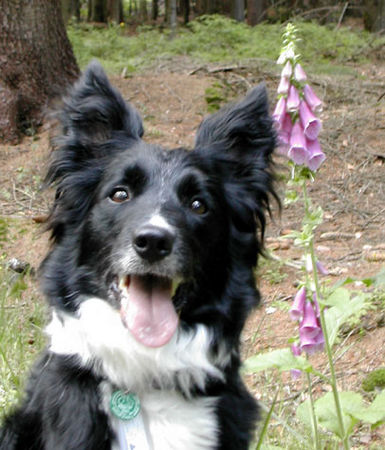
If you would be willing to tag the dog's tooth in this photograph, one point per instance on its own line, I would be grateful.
(175, 283)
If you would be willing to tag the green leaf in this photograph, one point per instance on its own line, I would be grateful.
(281, 359)
(339, 297)
(325, 410)
(377, 280)
(344, 282)
(375, 413)
(343, 310)
(304, 413)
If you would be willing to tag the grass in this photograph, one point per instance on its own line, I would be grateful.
(21, 322)
(218, 39)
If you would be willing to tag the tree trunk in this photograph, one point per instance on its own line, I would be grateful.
(185, 10)
(143, 9)
(115, 11)
(36, 62)
(239, 10)
(374, 15)
(98, 9)
(154, 9)
(70, 9)
(255, 10)
(172, 22)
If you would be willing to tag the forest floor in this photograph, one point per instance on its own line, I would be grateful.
(350, 187)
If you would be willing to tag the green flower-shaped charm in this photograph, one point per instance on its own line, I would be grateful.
(125, 406)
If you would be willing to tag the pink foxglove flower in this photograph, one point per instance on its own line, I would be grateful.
(309, 325)
(315, 158)
(310, 123)
(307, 342)
(293, 100)
(287, 70)
(280, 112)
(310, 344)
(284, 135)
(320, 267)
(299, 73)
(284, 85)
(312, 100)
(319, 342)
(298, 151)
(298, 308)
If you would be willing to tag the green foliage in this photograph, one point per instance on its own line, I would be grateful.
(343, 307)
(375, 379)
(281, 359)
(3, 231)
(215, 97)
(21, 337)
(353, 408)
(212, 39)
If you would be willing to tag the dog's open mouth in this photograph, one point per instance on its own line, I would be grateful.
(147, 309)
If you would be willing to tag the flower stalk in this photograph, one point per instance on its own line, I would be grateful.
(298, 128)
(333, 378)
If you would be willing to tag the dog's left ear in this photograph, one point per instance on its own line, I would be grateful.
(239, 141)
(244, 128)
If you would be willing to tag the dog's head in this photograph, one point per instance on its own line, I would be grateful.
(131, 221)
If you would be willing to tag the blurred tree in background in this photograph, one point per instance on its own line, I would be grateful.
(36, 63)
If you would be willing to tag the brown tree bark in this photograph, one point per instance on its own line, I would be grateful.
(374, 15)
(172, 17)
(255, 10)
(115, 11)
(143, 10)
(36, 62)
(97, 11)
(154, 9)
(70, 9)
(185, 10)
(239, 10)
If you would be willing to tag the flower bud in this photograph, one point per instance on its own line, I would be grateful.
(299, 73)
(293, 100)
(279, 112)
(284, 85)
(287, 70)
(312, 100)
(298, 307)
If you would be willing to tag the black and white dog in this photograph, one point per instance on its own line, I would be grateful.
(150, 280)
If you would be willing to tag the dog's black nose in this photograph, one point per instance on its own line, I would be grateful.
(153, 243)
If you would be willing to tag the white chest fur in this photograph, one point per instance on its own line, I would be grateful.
(173, 421)
(169, 422)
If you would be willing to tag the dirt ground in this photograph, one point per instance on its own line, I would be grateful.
(350, 187)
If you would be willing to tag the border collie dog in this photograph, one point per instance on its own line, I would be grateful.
(150, 280)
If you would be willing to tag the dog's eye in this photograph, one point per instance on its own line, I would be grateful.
(120, 195)
(198, 207)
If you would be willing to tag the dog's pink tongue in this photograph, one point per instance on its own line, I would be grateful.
(148, 311)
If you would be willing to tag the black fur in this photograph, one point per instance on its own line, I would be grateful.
(216, 251)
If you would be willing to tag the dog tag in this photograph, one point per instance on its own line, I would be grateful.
(124, 406)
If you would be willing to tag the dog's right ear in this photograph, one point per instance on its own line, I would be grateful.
(94, 110)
